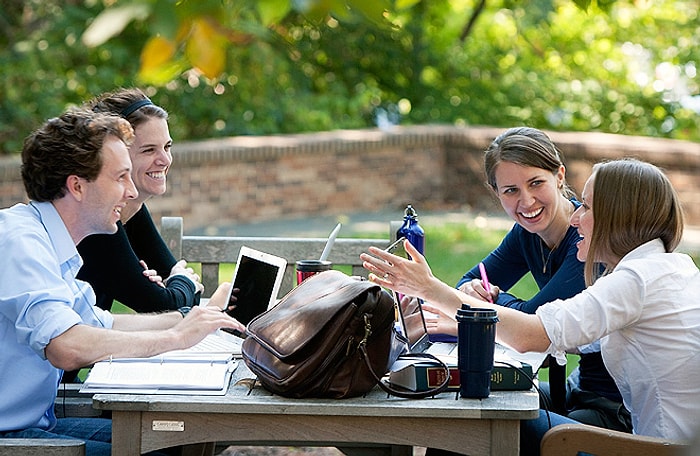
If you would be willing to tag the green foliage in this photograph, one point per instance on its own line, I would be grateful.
(289, 66)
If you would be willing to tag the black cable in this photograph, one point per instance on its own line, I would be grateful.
(543, 399)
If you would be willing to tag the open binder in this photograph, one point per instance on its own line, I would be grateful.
(182, 372)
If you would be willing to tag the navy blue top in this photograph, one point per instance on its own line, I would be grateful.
(521, 252)
(111, 266)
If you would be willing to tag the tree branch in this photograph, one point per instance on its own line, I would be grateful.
(472, 20)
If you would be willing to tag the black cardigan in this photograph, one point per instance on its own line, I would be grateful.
(111, 266)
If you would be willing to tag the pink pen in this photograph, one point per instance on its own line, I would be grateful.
(485, 281)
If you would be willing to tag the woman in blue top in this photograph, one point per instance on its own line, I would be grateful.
(524, 168)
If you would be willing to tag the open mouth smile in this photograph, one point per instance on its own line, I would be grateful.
(533, 214)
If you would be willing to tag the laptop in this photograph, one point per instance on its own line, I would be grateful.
(412, 320)
(413, 327)
(258, 276)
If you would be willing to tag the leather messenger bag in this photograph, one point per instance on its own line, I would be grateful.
(332, 336)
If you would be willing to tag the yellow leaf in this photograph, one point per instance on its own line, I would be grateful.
(273, 11)
(158, 65)
(206, 48)
(162, 75)
(157, 52)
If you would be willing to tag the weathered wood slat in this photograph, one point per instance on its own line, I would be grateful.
(211, 251)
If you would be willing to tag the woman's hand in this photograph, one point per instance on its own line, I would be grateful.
(181, 268)
(220, 297)
(409, 277)
(475, 288)
(151, 274)
(437, 321)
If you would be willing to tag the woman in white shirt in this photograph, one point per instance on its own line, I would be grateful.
(645, 308)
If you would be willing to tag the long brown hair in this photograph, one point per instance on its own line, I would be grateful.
(633, 203)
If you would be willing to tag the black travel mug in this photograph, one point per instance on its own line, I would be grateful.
(476, 329)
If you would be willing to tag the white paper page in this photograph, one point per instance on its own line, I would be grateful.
(168, 375)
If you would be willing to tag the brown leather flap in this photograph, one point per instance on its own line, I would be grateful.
(293, 325)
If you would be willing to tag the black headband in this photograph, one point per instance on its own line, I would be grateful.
(126, 112)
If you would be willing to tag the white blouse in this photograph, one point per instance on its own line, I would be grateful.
(646, 313)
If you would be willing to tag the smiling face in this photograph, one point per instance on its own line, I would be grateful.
(151, 157)
(582, 220)
(531, 197)
(107, 195)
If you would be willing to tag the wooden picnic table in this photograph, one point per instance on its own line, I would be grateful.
(490, 426)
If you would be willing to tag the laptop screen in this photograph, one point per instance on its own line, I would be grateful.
(258, 277)
(412, 323)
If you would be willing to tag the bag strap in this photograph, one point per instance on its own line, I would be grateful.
(404, 393)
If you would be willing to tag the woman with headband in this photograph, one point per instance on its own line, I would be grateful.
(134, 266)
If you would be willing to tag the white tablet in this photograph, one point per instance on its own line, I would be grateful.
(258, 277)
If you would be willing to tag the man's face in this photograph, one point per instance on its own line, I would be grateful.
(106, 196)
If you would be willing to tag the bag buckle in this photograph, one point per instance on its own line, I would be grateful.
(368, 330)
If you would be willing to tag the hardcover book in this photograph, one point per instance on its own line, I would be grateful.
(507, 375)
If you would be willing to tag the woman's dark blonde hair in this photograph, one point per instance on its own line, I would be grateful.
(633, 203)
(523, 146)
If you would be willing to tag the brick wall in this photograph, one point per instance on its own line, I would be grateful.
(219, 181)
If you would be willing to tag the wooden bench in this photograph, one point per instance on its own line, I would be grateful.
(70, 402)
(212, 251)
(44, 447)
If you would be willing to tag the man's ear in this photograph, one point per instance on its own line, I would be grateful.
(75, 186)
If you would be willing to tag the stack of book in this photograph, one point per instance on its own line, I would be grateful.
(508, 373)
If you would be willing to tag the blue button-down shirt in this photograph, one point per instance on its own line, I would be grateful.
(40, 299)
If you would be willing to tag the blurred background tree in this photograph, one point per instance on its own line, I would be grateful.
(244, 67)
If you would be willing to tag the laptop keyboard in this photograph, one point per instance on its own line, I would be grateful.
(442, 348)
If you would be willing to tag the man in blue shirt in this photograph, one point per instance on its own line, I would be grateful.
(76, 171)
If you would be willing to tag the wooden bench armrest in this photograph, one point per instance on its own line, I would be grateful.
(570, 439)
(44, 447)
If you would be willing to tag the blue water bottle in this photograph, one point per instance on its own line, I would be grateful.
(411, 230)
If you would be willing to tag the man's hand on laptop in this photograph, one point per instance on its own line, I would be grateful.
(202, 321)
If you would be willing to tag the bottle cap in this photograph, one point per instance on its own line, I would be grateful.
(410, 212)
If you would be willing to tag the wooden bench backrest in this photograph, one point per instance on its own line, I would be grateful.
(211, 251)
